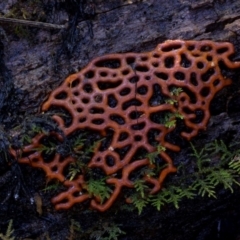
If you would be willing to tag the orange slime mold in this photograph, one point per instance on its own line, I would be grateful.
(120, 92)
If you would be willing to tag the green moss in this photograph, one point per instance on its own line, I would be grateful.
(216, 166)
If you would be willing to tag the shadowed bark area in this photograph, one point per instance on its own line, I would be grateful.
(36, 58)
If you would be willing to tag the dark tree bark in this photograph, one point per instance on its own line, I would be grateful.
(34, 60)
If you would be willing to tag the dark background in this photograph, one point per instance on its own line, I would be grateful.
(35, 60)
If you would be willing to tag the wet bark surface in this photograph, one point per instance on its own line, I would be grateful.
(35, 60)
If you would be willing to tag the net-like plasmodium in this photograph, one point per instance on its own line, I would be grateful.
(126, 93)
